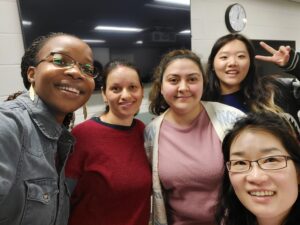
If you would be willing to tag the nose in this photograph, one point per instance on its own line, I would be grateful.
(183, 86)
(125, 94)
(232, 61)
(256, 174)
(75, 72)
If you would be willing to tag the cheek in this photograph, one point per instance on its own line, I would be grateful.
(138, 95)
(218, 65)
(237, 184)
(91, 85)
(245, 65)
(166, 90)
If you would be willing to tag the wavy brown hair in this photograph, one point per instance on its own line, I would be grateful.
(157, 102)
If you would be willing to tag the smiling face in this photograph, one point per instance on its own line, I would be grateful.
(182, 86)
(269, 195)
(63, 90)
(123, 94)
(231, 65)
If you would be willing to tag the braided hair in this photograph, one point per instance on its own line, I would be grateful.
(30, 59)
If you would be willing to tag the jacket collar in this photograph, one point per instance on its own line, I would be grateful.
(41, 116)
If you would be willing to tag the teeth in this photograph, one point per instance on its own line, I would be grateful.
(70, 89)
(232, 72)
(262, 193)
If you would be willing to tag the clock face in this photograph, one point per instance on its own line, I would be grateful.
(235, 18)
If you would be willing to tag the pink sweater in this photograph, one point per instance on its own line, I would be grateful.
(190, 169)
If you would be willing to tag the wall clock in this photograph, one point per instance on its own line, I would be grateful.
(235, 18)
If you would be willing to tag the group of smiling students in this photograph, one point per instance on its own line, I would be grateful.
(223, 148)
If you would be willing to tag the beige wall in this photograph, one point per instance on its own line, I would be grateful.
(11, 48)
(267, 19)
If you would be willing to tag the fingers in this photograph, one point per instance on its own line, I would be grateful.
(264, 58)
(285, 50)
(267, 47)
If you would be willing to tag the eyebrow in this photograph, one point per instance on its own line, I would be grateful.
(264, 151)
(228, 51)
(189, 75)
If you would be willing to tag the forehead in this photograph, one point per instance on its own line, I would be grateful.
(182, 64)
(233, 45)
(122, 73)
(72, 46)
(255, 143)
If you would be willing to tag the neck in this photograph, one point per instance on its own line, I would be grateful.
(183, 120)
(226, 90)
(113, 119)
(270, 221)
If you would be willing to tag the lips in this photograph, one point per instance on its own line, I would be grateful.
(183, 96)
(262, 193)
(232, 72)
(126, 104)
(69, 88)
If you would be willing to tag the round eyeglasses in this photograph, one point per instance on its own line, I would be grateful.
(276, 162)
(65, 61)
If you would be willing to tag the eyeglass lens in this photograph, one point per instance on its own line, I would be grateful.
(63, 60)
(267, 163)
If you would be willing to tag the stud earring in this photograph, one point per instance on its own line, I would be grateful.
(31, 93)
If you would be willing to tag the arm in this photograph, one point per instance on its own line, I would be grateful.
(284, 57)
(10, 150)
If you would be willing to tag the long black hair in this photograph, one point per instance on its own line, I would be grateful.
(230, 211)
(253, 90)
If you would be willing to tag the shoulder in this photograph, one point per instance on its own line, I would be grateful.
(84, 126)
(139, 124)
(153, 127)
(223, 113)
(13, 116)
(220, 107)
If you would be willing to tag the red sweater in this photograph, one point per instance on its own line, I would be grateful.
(113, 175)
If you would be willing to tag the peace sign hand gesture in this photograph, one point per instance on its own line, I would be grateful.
(279, 57)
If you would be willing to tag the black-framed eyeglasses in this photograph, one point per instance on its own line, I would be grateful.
(65, 61)
(276, 162)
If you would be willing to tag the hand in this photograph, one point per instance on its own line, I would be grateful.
(279, 57)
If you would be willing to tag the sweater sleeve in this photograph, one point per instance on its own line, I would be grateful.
(11, 136)
(293, 65)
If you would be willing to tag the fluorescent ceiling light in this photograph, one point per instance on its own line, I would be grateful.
(185, 32)
(26, 23)
(168, 7)
(178, 2)
(118, 29)
(139, 42)
(93, 41)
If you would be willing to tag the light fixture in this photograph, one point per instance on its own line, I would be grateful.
(185, 32)
(26, 23)
(118, 29)
(177, 2)
(139, 42)
(93, 41)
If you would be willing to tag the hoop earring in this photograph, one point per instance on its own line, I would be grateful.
(31, 93)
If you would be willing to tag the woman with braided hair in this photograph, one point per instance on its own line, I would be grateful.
(34, 144)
